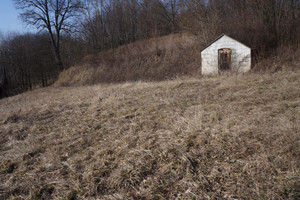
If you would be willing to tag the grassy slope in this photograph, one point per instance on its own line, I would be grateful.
(161, 58)
(153, 59)
(215, 137)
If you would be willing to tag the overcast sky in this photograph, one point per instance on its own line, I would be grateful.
(9, 21)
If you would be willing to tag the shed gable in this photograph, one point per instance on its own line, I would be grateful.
(225, 39)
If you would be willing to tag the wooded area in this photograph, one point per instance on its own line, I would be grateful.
(71, 30)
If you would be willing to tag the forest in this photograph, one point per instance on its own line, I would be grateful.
(69, 30)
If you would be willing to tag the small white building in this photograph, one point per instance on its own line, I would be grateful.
(225, 54)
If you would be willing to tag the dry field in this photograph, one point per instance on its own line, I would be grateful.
(224, 137)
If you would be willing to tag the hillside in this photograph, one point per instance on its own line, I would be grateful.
(235, 137)
(154, 59)
(161, 58)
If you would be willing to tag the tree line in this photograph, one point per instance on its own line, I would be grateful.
(71, 29)
(27, 61)
(263, 24)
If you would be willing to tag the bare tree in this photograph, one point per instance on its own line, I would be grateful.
(53, 15)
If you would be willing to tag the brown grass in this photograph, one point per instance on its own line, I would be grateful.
(163, 58)
(224, 137)
(153, 59)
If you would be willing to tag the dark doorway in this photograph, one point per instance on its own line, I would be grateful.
(224, 59)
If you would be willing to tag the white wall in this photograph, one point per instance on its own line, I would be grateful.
(240, 56)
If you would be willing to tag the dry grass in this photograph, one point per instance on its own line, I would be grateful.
(225, 137)
(153, 59)
(163, 58)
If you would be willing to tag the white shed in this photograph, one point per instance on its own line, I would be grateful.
(225, 53)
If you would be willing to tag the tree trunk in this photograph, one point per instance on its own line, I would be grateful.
(55, 45)
(3, 84)
(58, 59)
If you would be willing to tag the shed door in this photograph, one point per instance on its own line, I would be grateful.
(224, 59)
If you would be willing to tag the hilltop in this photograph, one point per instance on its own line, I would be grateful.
(222, 137)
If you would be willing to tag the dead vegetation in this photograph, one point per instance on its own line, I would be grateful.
(286, 57)
(225, 137)
(150, 60)
(163, 58)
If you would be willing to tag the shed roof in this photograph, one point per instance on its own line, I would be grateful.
(222, 35)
